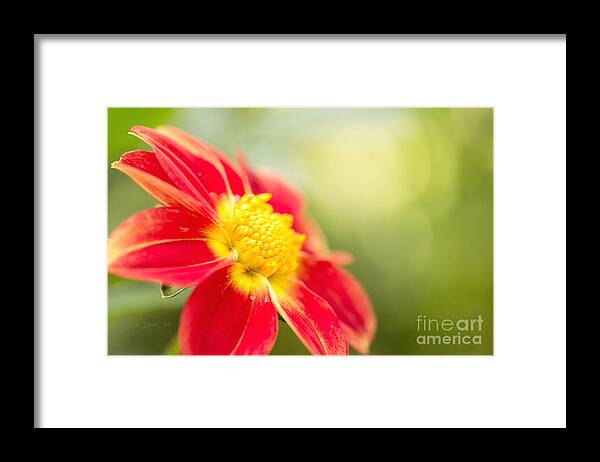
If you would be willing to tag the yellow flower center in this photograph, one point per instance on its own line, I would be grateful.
(263, 240)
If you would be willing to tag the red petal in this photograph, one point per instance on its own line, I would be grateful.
(165, 245)
(315, 242)
(244, 171)
(190, 173)
(312, 319)
(143, 167)
(210, 153)
(218, 319)
(285, 197)
(347, 298)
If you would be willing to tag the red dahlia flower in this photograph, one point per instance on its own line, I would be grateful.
(241, 237)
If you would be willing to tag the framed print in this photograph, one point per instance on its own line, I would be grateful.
(299, 232)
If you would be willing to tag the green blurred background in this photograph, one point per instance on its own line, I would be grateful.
(409, 192)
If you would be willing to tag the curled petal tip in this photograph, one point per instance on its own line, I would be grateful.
(340, 257)
(363, 346)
